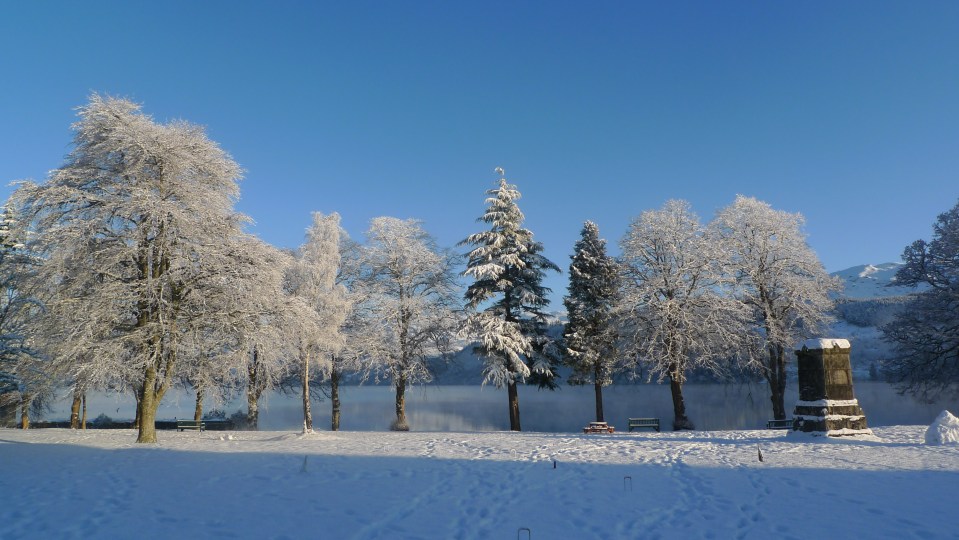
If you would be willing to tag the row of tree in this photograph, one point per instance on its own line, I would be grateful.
(129, 269)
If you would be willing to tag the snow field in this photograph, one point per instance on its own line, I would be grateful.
(368, 485)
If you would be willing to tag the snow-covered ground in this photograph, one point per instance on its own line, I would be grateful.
(99, 484)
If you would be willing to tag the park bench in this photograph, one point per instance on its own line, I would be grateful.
(640, 423)
(598, 427)
(190, 424)
(780, 424)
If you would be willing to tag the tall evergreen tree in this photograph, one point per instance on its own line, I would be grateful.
(508, 269)
(590, 336)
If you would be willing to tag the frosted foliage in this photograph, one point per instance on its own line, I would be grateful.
(312, 282)
(408, 300)
(20, 366)
(674, 312)
(139, 241)
(778, 276)
(503, 346)
(507, 267)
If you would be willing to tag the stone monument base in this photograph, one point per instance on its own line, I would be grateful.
(830, 417)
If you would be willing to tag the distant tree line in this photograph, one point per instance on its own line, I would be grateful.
(129, 270)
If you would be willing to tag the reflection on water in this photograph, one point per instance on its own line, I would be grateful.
(474, 408)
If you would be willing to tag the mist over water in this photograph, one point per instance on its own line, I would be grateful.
(568, 409)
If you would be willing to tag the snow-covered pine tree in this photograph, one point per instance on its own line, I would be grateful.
(590, 333)
(508, 270)
(135, 231)
(926, 334)
(411, 303)
(780, 281)
(676, 312)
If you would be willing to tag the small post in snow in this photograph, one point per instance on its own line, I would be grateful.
(529, 534)
(627, 481)
(305, 458)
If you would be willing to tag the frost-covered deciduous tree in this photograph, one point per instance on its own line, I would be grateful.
(265, 318)
(590, 333)
(135, 231)
(320, 303)
(675, 311)
(925, 334)
(21, 373)
(410, 300)
(508, 268)
(780, 281)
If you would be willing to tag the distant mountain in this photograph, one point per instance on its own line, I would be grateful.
(873, 281)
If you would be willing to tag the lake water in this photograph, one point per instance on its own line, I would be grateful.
(475, 408)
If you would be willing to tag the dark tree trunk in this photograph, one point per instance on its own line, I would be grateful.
(334, 396)
(75, 408)
(198, 409)
(252, 409)
(307, 414)
(83, 419)
(776, 375)
(513, 394)
(400, 423)
(680, 420)
(254, 390)
(138, 416)
(149, 402)
(599, 401)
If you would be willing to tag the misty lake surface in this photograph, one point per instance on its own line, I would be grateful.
(568, 409)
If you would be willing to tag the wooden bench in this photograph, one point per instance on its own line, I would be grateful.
(190, 424)
(786, 423)
(640, 423)
(599, 427)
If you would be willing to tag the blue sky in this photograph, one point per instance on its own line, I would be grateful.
(846, 112)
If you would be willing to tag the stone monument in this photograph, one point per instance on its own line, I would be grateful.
(827, 404)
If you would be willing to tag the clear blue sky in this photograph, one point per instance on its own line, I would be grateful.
(847, 112)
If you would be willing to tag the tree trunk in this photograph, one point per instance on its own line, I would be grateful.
(599, 401)
(83, 419)
(513, 394)
(75, 408)
(680, 420)
(252, 408)
(307, 414)
(254, 390)
(148, 408)
(26, 400)
(138, 416)
(198, 409)
(777, 381)
(335, 396)
(400, 424)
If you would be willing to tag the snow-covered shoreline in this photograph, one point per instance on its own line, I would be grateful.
(70, 484)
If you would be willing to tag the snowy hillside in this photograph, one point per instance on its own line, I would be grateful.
(872, 281)
(870, 300)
